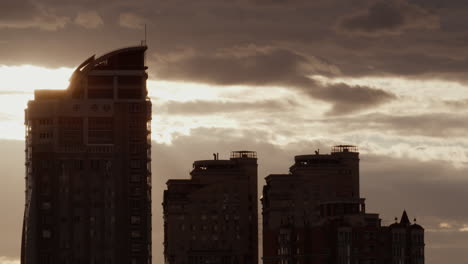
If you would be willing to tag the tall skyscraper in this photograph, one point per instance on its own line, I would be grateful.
(212, 217)
(88, 172)
(315, 215)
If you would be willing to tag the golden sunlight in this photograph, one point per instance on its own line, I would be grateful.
(27, 78)
(17, 87)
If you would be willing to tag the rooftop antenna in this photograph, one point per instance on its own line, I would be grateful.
(143, 42)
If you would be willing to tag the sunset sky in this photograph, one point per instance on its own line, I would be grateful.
(281, 77)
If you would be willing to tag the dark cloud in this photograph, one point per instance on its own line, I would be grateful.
(201, 107)
(417, 65)
(257, 66)
(252, 65)
(48, 15)
(348, 99)
(132, 20)
(30, 14)
(430, 124)
(392, 17)
(89, 19)
(301, 27)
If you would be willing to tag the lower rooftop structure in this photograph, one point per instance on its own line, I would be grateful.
(315, 215)
(212, 217)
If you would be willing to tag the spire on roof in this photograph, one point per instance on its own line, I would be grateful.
(405, 219)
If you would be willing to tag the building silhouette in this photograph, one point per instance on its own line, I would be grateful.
(212, 217)
(315, 215)
(88, 173)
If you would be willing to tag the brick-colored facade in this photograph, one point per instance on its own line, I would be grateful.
(315, 215)
(212, 217)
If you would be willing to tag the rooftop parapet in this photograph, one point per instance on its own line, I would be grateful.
(204, 164)
(49, 94)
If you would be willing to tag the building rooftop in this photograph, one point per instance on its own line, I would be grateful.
(48, 94)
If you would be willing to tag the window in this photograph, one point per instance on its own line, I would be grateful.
(135, 164)
(45, 122)
(136, 191)
(100, 87)
(135, 204)
(100, 130)
(46, 206)
(95, 165)
(137, 136)
(70, 130)
(46, 233)
(46, 164)
(130, 87)
(135, 108)
(45, 259)
(135, 178)
(135, 220)
(137, 148)
(76, 107)
(136, 247)
(46, 136)
(78, 164)
(137, 123)
(135, 234)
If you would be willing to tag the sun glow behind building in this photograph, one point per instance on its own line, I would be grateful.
(289, 109)
(18, 84)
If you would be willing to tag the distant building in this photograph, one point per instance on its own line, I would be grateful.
(315, 215)
(212, 217)
(88, 172)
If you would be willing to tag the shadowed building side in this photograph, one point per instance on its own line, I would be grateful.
(212, 217)
(88, 174)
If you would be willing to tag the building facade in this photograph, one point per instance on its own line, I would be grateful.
(315, 215)
(211, 218)
(88, 172)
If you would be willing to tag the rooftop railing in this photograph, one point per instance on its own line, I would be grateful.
(344, 148)
(243, 154)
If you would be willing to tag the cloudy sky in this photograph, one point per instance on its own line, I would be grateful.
(282, 77)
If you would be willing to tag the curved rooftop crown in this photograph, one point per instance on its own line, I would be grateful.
(130, 58)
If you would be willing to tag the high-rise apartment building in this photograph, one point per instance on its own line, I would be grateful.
(212, 217)
(315, 215)
(88, 173)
